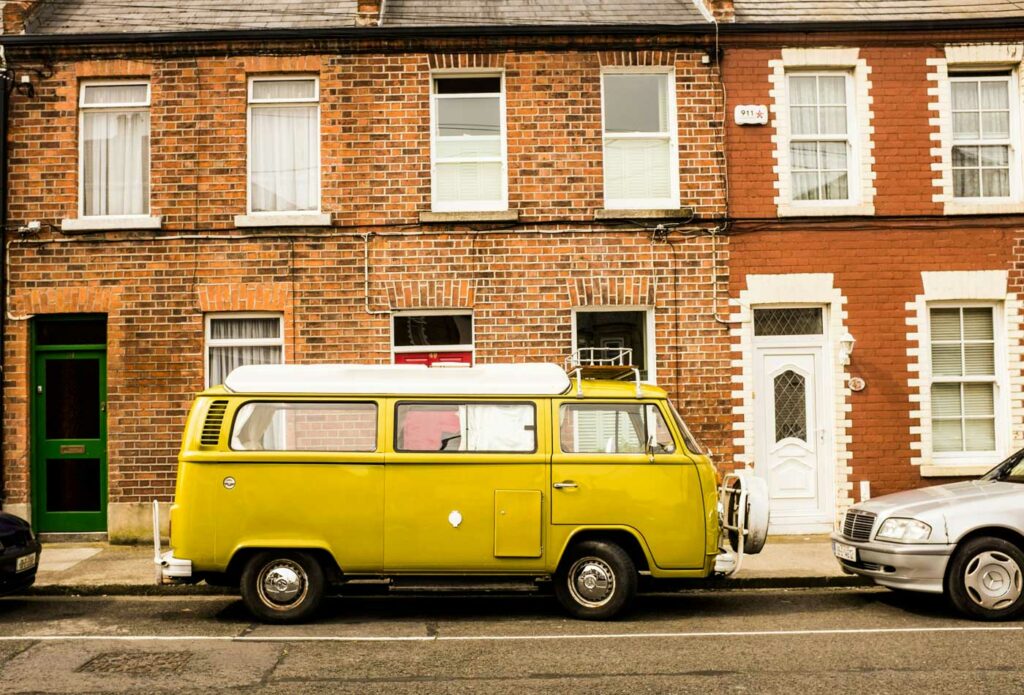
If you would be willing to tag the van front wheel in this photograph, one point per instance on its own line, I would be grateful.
(282, 586)
(596, 581)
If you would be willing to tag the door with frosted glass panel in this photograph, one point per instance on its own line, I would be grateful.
(235, 340)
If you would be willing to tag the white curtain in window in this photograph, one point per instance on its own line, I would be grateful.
(224, 358)
(638, 169)
(285, 157)
(497, 427)
(115, 162)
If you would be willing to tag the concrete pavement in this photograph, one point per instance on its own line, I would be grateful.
(101, 568)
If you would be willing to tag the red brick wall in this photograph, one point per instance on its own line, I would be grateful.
(523, 287)
(375, 135)
(902, 144)
(878, 272)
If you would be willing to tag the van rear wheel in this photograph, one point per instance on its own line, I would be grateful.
(282, 586)
(597, 580)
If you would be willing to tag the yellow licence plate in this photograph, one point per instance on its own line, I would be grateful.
(25, 563)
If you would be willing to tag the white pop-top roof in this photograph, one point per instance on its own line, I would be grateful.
(401, 379)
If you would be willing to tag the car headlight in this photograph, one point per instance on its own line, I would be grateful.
(903, 531)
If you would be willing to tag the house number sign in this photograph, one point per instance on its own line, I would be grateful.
(751, 114)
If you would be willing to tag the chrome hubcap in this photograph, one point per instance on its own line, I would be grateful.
(591, 582)
(993, 580)
(282, 584)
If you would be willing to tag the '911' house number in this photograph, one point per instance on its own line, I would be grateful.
(751, 114)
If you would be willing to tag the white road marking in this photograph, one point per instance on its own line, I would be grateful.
(502, 638)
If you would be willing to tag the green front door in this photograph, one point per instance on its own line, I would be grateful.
(69, 437)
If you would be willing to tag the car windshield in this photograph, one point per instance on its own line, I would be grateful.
(1011, 470)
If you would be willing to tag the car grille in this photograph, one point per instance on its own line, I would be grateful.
(857, 525)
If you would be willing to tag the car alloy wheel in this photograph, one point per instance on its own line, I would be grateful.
(993, 580)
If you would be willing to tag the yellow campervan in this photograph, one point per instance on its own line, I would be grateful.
(294, 479)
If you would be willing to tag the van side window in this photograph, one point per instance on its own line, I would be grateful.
(480, 427)
(612, 428)
(262, 426)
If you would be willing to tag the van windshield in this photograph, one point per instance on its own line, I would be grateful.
(691, 442)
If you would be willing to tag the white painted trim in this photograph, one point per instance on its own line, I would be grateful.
(860, 116)
(297, 103)
(672, 202)
(650, 345)
(283, 219)
(469, 206)
(209, 342)
(973, 57)
(966, 288)
(83, 108)
(764, 291)
(97, 223)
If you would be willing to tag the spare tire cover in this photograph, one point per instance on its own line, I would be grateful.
(758, 513)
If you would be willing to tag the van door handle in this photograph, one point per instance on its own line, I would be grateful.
(565, 484)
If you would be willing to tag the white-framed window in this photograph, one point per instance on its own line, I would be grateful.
(469, 167)
(237, 339)
(616, 327)
(985, 154)
(430, 336)
(641, 155)
(968, 377)
(284, 144)
(113, 148)
(822, 128)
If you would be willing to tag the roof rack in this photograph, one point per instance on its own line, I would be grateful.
(615, 363)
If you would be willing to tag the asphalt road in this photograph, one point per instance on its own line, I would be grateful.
(791, 641)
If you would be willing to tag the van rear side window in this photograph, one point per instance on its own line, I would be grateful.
(480, 427)
(333, 427)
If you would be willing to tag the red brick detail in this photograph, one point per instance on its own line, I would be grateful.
(627, 58)
(631, 290)
(903, 159)
(722, 10)
(448, 61)
(23, 305)
(113, 69)
(879, 272)
(368, 13)
(271, 64)
(431, 294)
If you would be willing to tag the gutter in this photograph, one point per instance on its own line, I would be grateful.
(348, 33)
(461, 31)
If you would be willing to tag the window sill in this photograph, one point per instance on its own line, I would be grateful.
(110, 223)
(952, 470)
(644, 213)
(470, 216)
(954, 207)
(857, 209)
(284, 219)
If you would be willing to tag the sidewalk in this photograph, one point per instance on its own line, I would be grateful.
(100, 568)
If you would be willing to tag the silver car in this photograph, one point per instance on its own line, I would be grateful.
(965, 540)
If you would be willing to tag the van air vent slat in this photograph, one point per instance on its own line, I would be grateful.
(211, 426)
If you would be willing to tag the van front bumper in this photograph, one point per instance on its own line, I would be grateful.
(914, 567)
(172, 569)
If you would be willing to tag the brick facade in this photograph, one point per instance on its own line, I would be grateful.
(522, 276)
(522, 280)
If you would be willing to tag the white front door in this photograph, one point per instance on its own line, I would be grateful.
(792, 436)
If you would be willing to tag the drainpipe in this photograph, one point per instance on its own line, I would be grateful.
(4, 99)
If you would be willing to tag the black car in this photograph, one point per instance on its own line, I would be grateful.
(19, 554)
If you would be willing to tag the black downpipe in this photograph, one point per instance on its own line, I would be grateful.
(5, 93)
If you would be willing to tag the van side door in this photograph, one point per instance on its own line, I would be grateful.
(604, 474)
(464, 485)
